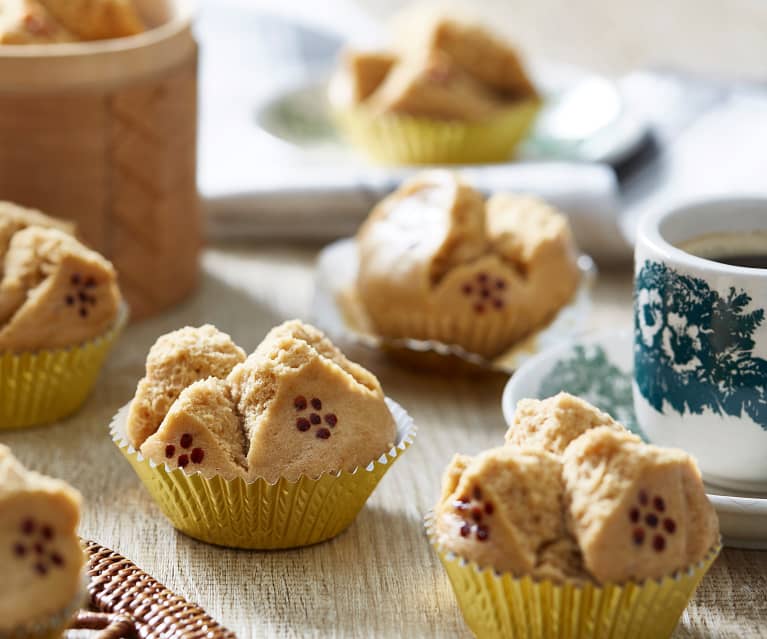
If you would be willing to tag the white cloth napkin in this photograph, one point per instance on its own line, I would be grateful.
(328, 204)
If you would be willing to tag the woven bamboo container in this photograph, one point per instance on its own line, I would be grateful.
(104, 133)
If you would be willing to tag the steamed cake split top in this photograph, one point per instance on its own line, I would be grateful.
(295, 407)
(437, 261)
(573, 495)
(54, 291)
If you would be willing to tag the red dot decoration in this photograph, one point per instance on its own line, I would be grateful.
(186, 440)
(484, 293)
(39, 552)
(80, 296)
(170, 451)
(651, 520)
(305, 424)
(198, 454)
(476, 510)
(183, 461)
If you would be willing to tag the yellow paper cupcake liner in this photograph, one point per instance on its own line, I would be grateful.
(258, 514)
(44, 386)
(53, 626)
(502, 605)
(403, 139)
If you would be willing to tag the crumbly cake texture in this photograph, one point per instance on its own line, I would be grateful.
(295, 407)
(443, 68)
(360, 74)
(14, 218)
(54, 292)
(29, 22)
(97, 19)
(552, 424)
(39, 547)
(433, 87)
(638, 511)
(480, 53)
(576, 497)
(485, 513)
(438, 262)
(176, 361)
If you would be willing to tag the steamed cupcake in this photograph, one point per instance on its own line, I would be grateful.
(576, 519)
(278, 449)
(454, 94)
(438, 262)
(40, 551)
(60, 310)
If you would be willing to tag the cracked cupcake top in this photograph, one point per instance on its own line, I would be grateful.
(39, 547)
(436, 259)
(295, 407)
(441, 68)
(574, 495)
(54, 291)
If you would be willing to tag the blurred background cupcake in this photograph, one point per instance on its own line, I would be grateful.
(449, 92)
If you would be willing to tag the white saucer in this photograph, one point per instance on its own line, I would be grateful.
(338, 311)
(597, 367)
(584, 118)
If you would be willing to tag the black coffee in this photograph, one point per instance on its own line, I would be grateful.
(736, 249)
(750, 260)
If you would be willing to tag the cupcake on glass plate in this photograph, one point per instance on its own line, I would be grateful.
(455, 93)
(574, 528)
(278, 449)
(60, 312)
(437, 262)
(43, 582)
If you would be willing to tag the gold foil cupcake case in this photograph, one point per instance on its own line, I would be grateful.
(45, 386)
(258, 514)
(496, 605)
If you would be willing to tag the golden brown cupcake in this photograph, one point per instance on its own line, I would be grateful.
(279, 450)
(436, 262)
(60, 312)
(449, 92)
(574, 518)
(39, 550)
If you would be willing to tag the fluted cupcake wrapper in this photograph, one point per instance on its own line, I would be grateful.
(403, 139)
(502, 605)
(260, 514)
(52, 626)
(47, 385)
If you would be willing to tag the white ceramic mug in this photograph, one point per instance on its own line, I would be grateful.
(700, 341)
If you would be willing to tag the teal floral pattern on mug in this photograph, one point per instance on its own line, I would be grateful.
(693, 347)
(589, 374)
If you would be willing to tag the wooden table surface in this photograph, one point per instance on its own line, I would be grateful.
(379, 578)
